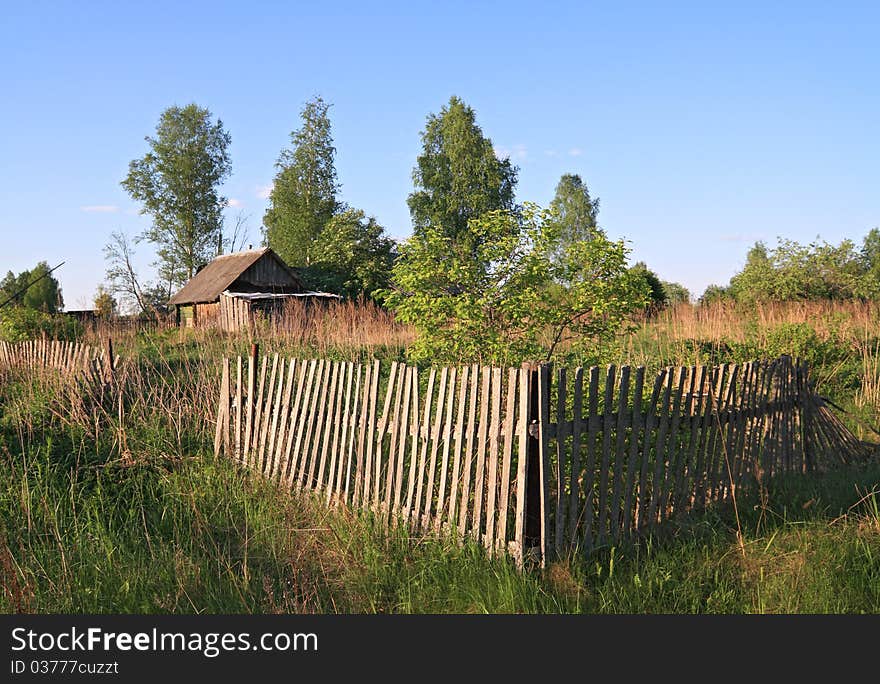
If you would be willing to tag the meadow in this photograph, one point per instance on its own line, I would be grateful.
(132, 513)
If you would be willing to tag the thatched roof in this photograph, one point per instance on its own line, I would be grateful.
(207, 284)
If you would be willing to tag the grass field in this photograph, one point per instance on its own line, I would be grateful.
(138, 517)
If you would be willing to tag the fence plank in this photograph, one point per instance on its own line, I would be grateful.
(402, 379)
(340, 428)
(425, 440)
(254, 443)
(464, 503)
(482, 436)
(222, 409)
(660, 447)
(458, 441)
(619, 451)
(354, 414)
(309, 444)
(436, 429)
(522, 430)
(381, 430)
(414, 444)
(575, 477)
(508, 431)
(672, 447)
(372, 387)
(544, 390)
(492, 479)
(279, 465)
(346, 445)
(561, 459)
(403, 434)
(276, 413)
(607, 428)
(695, 410)
(628, 517)
(447, 432)
(589, 475)
(251, 383)
(266, 415)
(296, 422)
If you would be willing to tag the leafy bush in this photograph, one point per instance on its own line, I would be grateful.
(18, 323)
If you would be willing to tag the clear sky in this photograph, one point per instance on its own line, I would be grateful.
(701, 126)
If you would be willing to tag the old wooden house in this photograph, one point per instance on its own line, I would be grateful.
(233, 287)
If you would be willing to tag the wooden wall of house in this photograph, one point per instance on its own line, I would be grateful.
(234, 314)
(266, 275)
(207, 314)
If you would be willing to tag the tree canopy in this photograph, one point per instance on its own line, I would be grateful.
(353, 256)
(575, 211)
(178, 182)
(34, 289)
(501, 301)
(303, 196)
(457, 176)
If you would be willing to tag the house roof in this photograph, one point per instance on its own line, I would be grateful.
(207, 284)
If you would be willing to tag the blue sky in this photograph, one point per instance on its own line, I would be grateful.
(702, 127)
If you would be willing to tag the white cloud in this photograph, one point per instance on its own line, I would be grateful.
(516, 153)
(235, 203)
(263, 191)
(551, 153)
(100, 208)
(575, 152)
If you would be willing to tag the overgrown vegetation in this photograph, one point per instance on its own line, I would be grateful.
(138, 517)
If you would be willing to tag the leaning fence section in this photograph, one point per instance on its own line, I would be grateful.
(532, 461)
(67, 358)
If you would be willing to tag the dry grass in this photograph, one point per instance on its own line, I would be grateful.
(729, 321)
(335, 329)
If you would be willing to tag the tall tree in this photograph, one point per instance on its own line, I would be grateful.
(178, 181)
(303, 197)
(353, 256)
(458, 177)
(575, 211)
(34, 289)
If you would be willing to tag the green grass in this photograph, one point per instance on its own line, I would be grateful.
(89, 526)
(196, 535)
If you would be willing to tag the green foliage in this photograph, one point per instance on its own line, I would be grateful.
(34, 289)
(457, 177)
(795, 272)
(18, 323)
(676, 293)
(178, 183)
(715, 293)
(657, 297)
(105, 303)
(575, 211)
(303, 197)
(501, 301)
(353, 256)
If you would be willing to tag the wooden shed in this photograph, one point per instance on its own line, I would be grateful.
(241, 276)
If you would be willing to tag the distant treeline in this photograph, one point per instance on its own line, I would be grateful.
(795, 272)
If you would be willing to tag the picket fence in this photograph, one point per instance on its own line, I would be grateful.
(68, 358)
(532, 461)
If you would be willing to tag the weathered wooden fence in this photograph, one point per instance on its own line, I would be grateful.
(68, 358)
(527, 460)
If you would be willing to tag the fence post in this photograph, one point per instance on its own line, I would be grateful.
(249, 416)
(109, 363)
(537, 509)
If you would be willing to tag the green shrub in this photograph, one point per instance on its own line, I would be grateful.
(18, 323)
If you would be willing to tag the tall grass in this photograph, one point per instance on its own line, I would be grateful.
(103, 510)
